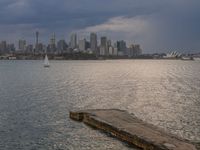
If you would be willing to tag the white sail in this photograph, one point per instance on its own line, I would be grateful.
(46, 61)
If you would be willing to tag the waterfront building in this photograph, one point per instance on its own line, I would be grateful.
(134, 50)
(93, 42)
(104, 41)
(52, 45)
(82, 45)
(73, 41)
(109, 43)
(61, 46)
(22, 45)
(87, 46)
(102, 51)
(115, 52)
(40, 48)
(29, 48)
(115, 49)
(3, 47)
(138, 49)
(10, 47)
(121, 46)
(104, 46)
(45, 48)
(111, 50)
(37, 41)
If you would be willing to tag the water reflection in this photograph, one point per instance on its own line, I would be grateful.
(35, 101)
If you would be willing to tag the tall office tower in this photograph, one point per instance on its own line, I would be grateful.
(93, 42)
(104, 46)
(53, 40)
(87, 45)
(11, 47)
(104, 41)
(36, 41)
(109, 43)
(73, 41)
(82, 45)
(135, 50)
(40, 48)
(121, 46)
(52, 45)
(3, 46)
(61, 46)
(29, 48)
(111, 50)
(22, 45)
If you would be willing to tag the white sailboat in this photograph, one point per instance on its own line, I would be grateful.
(46, 61)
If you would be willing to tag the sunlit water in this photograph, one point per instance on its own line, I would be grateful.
(35, 101)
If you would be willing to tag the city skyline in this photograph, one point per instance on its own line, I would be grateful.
(156, 25)
(105, 47)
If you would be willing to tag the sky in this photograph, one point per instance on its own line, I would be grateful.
(157, 25)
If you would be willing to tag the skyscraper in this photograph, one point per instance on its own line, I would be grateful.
(82, 45)
(121, 46)
(37, 40)
(29, 48)
(73, 41)
(22, 45)
(53, 39)
(11, 47)
(52, 44)
(109, 43)
(93, 42)
(104, 41)
(104, 46)
(134, 50)
(3, 46)
(61, 46)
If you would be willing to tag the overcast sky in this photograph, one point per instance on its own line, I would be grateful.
(158, 25)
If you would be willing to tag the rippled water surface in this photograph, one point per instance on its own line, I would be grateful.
(35, 101)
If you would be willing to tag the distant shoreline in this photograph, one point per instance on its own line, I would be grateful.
(66, 56)
(81, 56)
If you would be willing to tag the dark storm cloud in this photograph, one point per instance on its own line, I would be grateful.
(51, 11)
(156, 24)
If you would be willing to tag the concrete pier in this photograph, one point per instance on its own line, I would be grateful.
(128, 128)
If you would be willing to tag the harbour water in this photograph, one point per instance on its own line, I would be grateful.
(35, 101)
